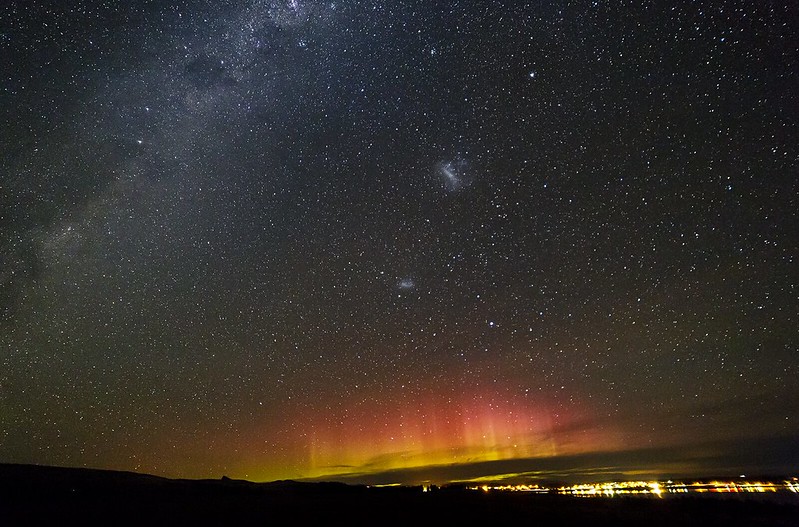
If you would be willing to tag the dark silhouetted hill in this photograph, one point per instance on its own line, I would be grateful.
(36, 495)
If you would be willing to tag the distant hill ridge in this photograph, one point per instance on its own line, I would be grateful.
(45, 495)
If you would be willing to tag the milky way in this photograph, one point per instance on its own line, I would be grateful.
(346, 239)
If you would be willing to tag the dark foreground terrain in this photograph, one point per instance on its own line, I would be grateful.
(31, 495)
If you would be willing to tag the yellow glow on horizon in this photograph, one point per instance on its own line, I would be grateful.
(437, 435)
(430, 429)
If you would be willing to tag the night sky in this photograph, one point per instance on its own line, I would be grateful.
(303, 239)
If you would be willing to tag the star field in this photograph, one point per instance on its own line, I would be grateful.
(298, 239)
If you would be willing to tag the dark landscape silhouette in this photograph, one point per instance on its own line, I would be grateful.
(39, 495)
